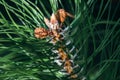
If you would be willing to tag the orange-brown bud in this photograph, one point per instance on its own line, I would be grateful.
(40, 33)
(62, 15)
(53, 19)
(68, 66)
(62, 54)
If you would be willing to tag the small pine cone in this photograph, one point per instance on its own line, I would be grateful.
(61, 15)
(68, 69)
(40, 33)
(68, 66)
(62, 54)
(68, 63)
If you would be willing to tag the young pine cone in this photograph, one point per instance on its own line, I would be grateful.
(41, 33)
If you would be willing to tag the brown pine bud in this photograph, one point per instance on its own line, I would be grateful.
(62, 15)
(40, 33)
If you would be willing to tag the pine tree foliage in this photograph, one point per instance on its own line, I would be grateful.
(94, 33)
